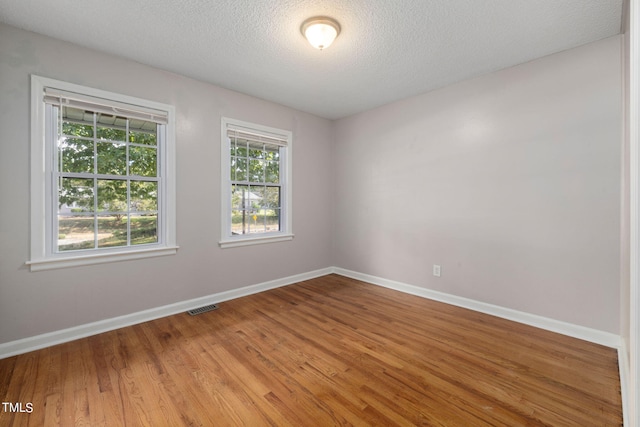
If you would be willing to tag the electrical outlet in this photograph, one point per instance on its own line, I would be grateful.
(436, 270)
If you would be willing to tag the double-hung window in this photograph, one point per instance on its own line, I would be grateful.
(256, 184)
(102, 176)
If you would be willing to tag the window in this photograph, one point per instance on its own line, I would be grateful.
(102, 176)
(256, 187)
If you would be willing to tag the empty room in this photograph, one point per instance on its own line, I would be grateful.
(314, 213)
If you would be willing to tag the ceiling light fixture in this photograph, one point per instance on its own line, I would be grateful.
(321, 31)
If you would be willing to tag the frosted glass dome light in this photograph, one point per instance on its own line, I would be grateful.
(320, 31)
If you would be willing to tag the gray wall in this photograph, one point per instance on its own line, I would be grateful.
(510, 182)
(35, 303)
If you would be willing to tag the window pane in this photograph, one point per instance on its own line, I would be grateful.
(142, 161)
(257, 196)
(76, 155)
(77, 129)
(256, 151)
(112, 195)
(77, 122)
(241, 148)
(257, 217)
(241, 169)
(145, 138)
(236, 197)
(272, 172)
(75, 232)
(237, 221)
(232, 168)
(271, 208)
(272, 153)
(257, 222)
(75, 195)
(273, 220)
(116, 132)
(242, 207)
(242, 198)
(143, 196)
(256, 170)
(112, 230)
(112, 158)
(144, 229)
(272, 197)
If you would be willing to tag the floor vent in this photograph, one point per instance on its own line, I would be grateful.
(204, 309)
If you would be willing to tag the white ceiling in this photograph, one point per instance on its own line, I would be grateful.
(388, 49)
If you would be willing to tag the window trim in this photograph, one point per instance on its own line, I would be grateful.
(286, 232)
(41, 216)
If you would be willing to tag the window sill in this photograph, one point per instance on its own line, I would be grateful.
(74, 261)
(247, 241)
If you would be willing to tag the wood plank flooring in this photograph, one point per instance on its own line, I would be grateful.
(328, 351)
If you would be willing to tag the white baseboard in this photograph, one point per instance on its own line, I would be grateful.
(623, 366)
(25, 345)
(588, 334)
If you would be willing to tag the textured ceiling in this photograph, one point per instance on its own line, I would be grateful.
(387, 50)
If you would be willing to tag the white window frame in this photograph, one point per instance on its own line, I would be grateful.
(228, 240)
(43, 214)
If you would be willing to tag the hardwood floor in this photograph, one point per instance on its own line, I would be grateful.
(328, 351)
